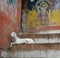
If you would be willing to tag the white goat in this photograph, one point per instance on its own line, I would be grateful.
(20, 40)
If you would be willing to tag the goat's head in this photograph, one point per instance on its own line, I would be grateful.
(13, 34)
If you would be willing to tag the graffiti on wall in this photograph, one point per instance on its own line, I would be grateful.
(43, 13)
(9, 7)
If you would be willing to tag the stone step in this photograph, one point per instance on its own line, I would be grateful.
(31, 54)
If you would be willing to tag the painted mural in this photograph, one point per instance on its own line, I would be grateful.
(9, 7)
(42, 14)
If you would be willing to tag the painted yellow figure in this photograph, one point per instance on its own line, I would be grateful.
(32, 19)
(55, 17)
(42, 17)
(44, 13)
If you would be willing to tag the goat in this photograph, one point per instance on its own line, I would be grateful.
(20, 40)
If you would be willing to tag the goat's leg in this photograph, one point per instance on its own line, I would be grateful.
(11, 44)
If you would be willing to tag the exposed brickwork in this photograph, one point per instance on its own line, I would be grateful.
(35, 47)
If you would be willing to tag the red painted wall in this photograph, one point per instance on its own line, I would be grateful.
(7, 26)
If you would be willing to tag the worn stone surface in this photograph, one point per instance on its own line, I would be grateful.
(31, 54)
(47, 40)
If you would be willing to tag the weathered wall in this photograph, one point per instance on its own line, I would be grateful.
(9, 20)
(23, 50)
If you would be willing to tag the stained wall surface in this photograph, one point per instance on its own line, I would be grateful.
(9, 20)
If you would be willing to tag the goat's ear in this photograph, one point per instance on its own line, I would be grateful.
(13, 33)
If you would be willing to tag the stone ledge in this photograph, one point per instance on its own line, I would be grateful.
(29, 47)
(39, 36)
